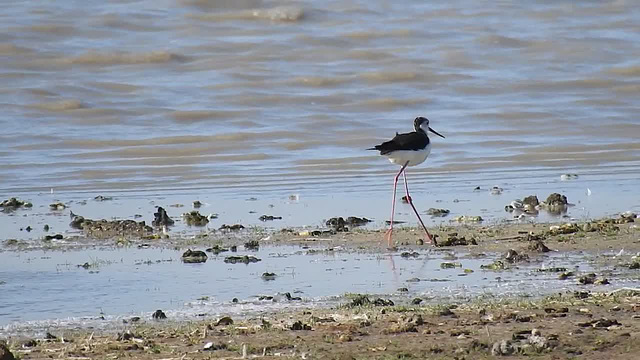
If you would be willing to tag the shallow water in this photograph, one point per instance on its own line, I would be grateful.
(124, 282)
(280, 96)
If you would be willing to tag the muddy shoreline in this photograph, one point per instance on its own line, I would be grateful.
(584, 323)
(581, 325)
(597, 317)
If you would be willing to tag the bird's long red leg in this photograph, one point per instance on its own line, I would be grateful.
(389, 234)
(410, 201)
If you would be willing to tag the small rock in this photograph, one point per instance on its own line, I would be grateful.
(224, 321)
(496, 265)
(513, 257)
(288, 296)
(502, 348)
(46, 227)
(269, 276)
(53, 237)
(538, 246)
(408, 255)
(252, 245)
(403, 289)
(468, 219)
(416, 301)
(197, 204)
(13, 204)
(299, 325)
(102, 198)
(450, 265)
(382, 302)
(159, 315)
(196, 256)
(531, 200)
(587, 279)
(454, 240)
(556, 199)
(438, 212)
(210, 346)
(567, 177)
(600, 323)
(195, 218)
(496, 190)
(57, 206)
(241, 259)
(565, 275)
(5, 353)
(233, 227)
(216, 249)
(161, 218)
(269, 218)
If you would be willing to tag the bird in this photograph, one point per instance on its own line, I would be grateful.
(408, 149)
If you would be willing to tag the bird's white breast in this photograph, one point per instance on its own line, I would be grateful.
(414, 157)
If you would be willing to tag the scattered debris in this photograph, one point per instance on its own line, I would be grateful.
(468, 219)
(161, 218)
(13, 204)
(453, 240)
(363, 300)
(194, 256)
(600, 323)
(105, 228)
(341, 224)
(564, 229)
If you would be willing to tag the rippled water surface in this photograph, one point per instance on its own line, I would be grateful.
(280, 95)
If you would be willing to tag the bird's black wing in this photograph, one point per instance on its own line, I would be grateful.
(407, 141)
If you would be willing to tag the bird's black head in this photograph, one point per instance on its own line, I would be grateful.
(421, 124)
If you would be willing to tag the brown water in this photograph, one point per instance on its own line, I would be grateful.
(277, 95)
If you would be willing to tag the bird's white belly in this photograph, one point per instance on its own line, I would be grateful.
(414, 157)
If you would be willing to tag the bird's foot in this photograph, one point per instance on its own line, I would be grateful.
(407, 199)
(388, 236)
(432, 239)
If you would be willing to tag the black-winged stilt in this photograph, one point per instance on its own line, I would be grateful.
(409, 149)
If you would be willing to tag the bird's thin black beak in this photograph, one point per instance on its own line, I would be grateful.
(435, 132)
